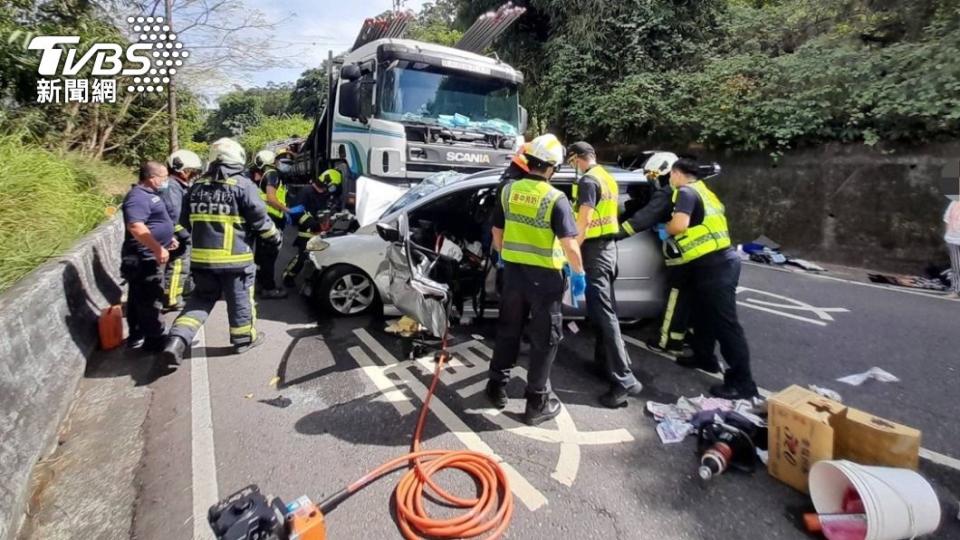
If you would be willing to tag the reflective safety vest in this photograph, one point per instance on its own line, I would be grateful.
(223, 215)
(527, 236)
(699, 240)
(281, 192)
(604, 221)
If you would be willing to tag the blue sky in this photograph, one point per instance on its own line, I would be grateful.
(310, 28)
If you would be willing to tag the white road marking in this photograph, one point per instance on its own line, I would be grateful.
(789, 304)
(377, 374)
(204, 460)
(531, 497)
(929, 455)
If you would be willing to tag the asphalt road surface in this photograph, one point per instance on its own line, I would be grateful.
(346, 401)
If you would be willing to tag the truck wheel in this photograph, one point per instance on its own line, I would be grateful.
(346, 290)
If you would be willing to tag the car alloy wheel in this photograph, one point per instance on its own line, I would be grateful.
(352, 293)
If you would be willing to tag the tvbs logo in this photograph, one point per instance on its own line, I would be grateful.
(146, 65)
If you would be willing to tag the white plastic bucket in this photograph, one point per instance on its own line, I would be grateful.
(899, 503)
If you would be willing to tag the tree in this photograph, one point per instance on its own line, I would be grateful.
(309, 93)
(436, 23)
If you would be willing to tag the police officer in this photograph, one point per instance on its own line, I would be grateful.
(224, 214)
(700, 241)
(274, 193)
(148, 240)
(596, 198)
(184, 166)
(535, 233)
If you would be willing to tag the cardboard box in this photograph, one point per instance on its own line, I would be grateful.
(805, 428)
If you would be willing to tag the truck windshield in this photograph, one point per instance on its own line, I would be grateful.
(417, 92)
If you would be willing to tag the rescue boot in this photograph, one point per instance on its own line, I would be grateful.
(733, 393)
(693, 362)
(617, 396)
(540, 408)
(496, 393)
(261, 336)
(173, 353)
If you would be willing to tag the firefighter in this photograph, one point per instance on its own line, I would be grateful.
(148, 240)
(596, 198)
(184, 166)
(314, 201)
(274, 193)
(224, 214)
(699, 241)
(535, 233)
(656, 213)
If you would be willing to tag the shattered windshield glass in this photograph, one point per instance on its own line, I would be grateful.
(427, 186)
(418, 92)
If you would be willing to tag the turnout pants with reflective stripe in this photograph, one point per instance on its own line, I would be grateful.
(265, 258)
(293, 268)
(714, 290)
(176, 277)
(236, 287)
(536, 295)
(600, 263)
(676, 317)
(144, 297)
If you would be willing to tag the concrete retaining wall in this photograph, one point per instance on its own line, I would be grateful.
(48, 329)
(847, 204)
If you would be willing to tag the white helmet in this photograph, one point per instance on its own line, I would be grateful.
(659, 164)
(546, 148)
(227, 151)
(184, 160)
(264, 158)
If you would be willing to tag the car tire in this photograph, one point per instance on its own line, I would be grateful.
(347, 291)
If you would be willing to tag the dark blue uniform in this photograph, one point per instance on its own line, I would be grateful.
(139, 266)
(308, 226)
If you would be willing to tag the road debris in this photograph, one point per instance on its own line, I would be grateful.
(274, 381)
(873, 373)
(673, 431)
(279, 402)
(404, 326)
(687, 415)
(248, 396)
(825, 392)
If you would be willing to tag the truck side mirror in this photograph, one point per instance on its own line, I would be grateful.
(524, 118)
(350, 72)
(350, 100)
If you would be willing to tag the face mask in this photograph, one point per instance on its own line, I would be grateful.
(165, 185)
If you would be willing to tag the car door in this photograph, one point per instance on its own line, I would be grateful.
(640, 287)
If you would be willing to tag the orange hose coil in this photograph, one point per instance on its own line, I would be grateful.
(488, 514)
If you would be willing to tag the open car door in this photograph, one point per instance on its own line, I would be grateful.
(406, 282)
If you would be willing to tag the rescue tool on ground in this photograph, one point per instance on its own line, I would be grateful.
(248, 514)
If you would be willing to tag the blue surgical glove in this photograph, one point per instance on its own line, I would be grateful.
(288, 218)
(566, 270)
(578, 286)
(297, 210)
(662, 232)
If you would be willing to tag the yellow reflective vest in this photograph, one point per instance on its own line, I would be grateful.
(527, 237)
(281, 191)
(699, 240)
(604, 222)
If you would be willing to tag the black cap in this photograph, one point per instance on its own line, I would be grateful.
(582, 148)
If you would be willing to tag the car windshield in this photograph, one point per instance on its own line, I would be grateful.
(419, 92)
(427, 186)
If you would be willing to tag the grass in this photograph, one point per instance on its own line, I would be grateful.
(48, 202)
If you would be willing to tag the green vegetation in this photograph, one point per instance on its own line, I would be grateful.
(274, 128)
(48, 201)
(739, 74)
